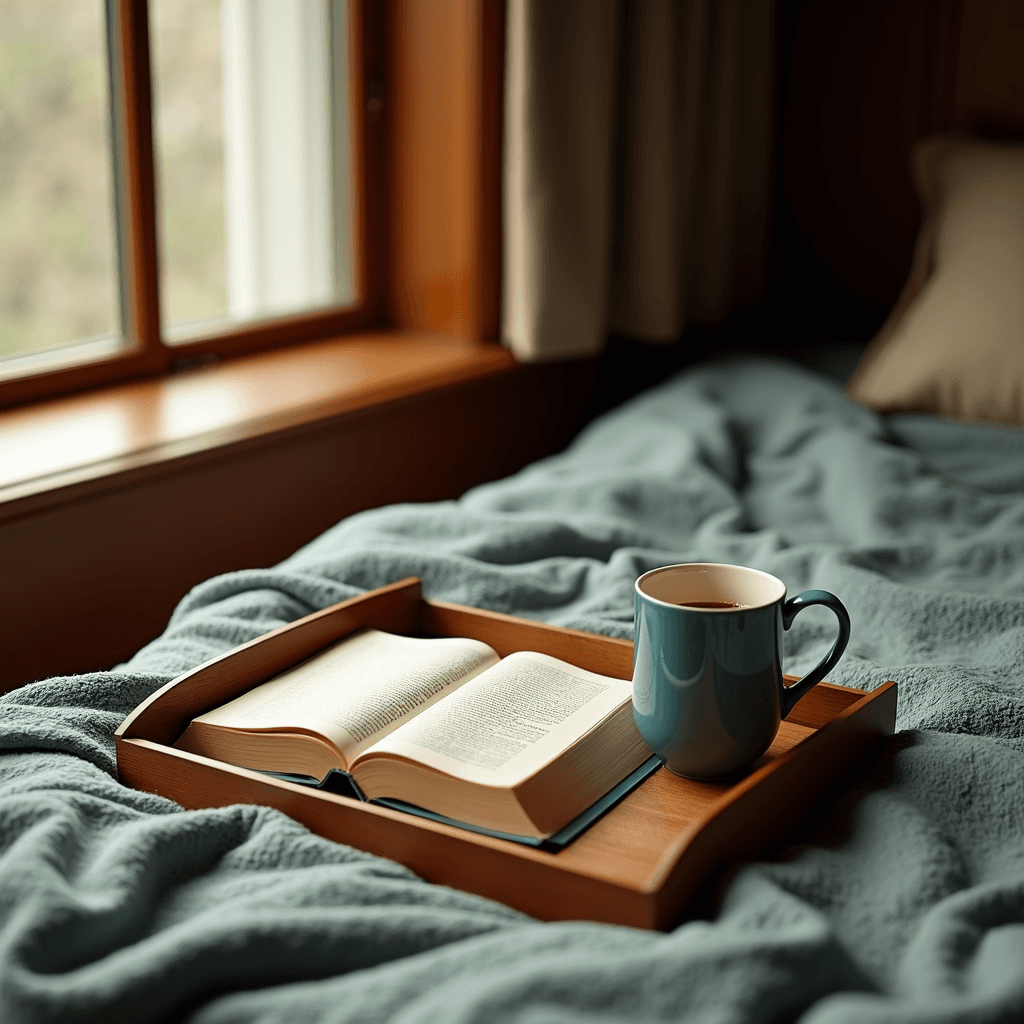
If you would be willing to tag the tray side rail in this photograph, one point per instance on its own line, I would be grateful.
(532, 881)
(506, 633)
(165, 715)
(764, 807)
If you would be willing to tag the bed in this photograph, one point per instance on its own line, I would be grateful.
(901, 897)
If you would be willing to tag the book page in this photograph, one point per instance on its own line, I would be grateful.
(358, 690)
(509, 721)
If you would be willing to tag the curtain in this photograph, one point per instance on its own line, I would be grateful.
(638, 144)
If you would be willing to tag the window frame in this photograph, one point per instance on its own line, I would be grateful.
(145, 353)
(418, 406)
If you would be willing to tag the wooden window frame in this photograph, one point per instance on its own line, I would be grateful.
(100, 536)
(426, 81)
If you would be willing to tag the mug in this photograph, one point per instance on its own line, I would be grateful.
(708, 693)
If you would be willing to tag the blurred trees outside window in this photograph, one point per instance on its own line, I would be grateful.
(58, 280)
(252, 167)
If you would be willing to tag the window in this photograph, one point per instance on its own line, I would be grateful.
(421, 126)
(114, 500)
(177, 181)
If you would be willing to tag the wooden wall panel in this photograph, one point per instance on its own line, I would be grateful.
(867, 79)
(989, 92)
(860, 94)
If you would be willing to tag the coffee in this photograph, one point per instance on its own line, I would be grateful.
(720, 605)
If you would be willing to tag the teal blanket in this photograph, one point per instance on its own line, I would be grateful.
(901, 899)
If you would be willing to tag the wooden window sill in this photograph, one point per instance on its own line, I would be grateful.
(63, 449)
(114, 503)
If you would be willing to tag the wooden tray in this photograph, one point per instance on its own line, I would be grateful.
(638, 865)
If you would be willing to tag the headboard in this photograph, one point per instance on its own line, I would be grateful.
(863, 81)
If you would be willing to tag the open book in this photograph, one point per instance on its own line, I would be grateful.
(521, 745)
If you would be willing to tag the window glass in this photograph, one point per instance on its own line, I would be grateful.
(189, 140)
(58, 256)
(251, 109)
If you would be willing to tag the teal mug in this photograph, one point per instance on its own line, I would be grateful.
(708, 692)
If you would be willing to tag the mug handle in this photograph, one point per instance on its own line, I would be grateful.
(791, 694)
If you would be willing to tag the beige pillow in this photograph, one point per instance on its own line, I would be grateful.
(954, 344)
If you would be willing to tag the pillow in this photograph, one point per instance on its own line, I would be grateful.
(954, 344)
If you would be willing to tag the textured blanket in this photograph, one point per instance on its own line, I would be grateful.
(902, 898)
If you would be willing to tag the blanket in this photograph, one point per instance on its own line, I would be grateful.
(901, 899)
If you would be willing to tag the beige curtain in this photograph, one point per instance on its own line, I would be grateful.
(638, 139)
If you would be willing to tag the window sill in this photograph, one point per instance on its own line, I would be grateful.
(114, 503)
(63, 449)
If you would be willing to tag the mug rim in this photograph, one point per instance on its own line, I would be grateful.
(699, 565)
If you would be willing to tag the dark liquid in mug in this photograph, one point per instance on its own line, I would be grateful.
(722, 605)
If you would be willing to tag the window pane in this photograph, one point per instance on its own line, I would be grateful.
(57, 237)
(189, 139)
(251, 110)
